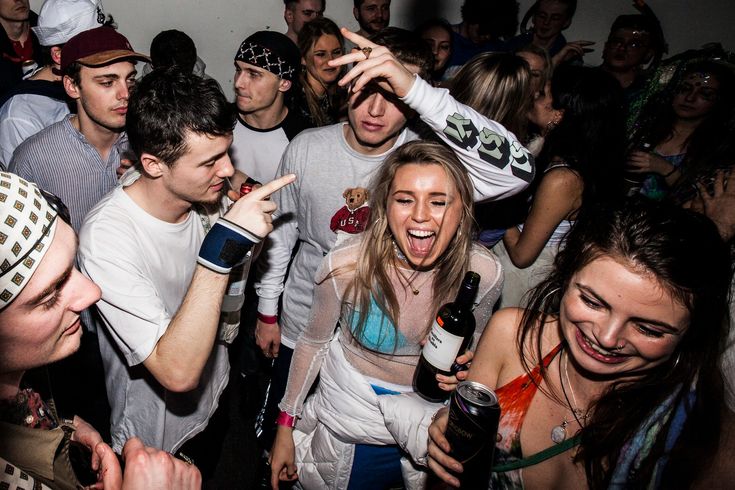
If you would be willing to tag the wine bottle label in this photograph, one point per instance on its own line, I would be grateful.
(442, 347)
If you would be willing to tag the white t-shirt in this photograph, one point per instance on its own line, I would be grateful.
(257, 152)
(144, 267)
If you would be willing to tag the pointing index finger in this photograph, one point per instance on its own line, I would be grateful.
(263, 192)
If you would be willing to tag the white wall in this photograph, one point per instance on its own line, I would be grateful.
(218, 26)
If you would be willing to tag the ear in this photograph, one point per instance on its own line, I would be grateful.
(567, 24)
(56, 55)
(367, 194)
(288, 16)
(284, 85)
(356, 13)
(152, 165)
(72, 89)
(346, 192)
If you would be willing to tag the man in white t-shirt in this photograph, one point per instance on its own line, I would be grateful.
(162, 258)
(267, 68)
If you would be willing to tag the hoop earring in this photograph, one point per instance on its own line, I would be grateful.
(550, 293)
(676, 362)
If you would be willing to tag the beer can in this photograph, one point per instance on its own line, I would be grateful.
(474, 414)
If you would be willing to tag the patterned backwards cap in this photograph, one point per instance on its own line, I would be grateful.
(27, 227)
(271, 51)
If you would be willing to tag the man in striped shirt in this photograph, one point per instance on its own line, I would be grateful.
(77, 158)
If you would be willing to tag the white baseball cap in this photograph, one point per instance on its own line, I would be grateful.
(60, 20)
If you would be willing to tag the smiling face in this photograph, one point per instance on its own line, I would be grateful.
(440, 42)
(326, 47)
(42, 324)
(198, 176)
(102, 94)
(424, 211)
(696, 96)
(619, 320)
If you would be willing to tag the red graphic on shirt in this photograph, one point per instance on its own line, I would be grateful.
(353, 217)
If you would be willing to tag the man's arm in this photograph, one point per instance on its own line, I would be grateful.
(275, 257)
(175, 350)
(182, 351)
(179, 357)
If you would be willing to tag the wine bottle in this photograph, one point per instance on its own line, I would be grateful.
(450, 335)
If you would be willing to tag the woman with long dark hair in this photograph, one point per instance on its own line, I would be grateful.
(614, 379)
(582, 168)
(682, 129)
(321, 99)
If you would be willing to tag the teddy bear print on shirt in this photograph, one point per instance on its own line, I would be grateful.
(352, 218)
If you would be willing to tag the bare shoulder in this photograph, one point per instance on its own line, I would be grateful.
(497, 347)
(561, 178)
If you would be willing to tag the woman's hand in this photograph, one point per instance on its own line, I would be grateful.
(439, 460)
(379, 63)
(87, 435)
(282, 457)
(644, 162)
(449, 383)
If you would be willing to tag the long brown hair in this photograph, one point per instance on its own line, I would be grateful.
(683, 251)
(308, 37)
(377, 249)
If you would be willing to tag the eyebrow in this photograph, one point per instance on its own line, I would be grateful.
(650, 321)
(55, 286)
(213, 157)
(434, 194)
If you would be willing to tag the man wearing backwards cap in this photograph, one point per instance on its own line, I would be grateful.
(78, 157)
(164, 350)
(267, 67)
(41, 296)
(40, 101)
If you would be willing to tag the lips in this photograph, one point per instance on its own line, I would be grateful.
(217, 187)
(73, 328)
(121, 110)
(371, 126)
(596, 352)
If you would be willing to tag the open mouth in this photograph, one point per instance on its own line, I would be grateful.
(597, 352)
(420, 242)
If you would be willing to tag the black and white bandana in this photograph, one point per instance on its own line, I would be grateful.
(271, 51)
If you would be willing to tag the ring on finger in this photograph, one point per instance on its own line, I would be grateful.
(366, 51)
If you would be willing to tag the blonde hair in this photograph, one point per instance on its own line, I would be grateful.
(498, 86)
(377, 249)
